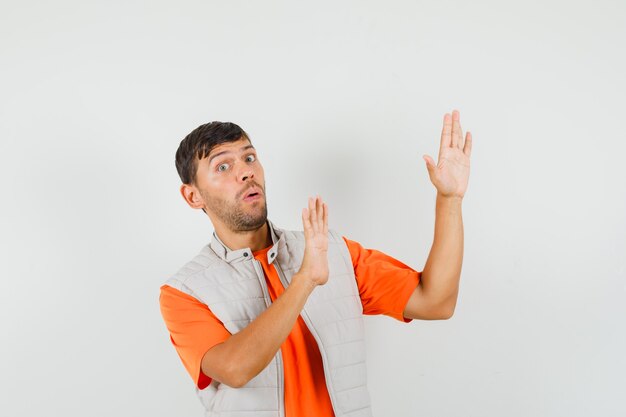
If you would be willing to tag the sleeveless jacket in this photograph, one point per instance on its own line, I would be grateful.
(232, 284)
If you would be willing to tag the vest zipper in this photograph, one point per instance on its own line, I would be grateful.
(308, 322)
(279, 363)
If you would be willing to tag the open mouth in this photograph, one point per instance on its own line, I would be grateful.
(252, 196)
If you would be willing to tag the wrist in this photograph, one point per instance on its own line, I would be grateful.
(448, 205)
(304, 279)
(455, 199)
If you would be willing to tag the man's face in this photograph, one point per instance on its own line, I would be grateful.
(225, 177)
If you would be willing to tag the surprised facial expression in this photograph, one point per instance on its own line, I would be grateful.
(225, 180)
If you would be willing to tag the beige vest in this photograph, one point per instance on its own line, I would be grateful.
(232, 284)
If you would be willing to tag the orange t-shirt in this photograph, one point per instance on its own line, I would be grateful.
(385, 285)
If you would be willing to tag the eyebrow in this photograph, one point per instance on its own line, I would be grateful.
(223, 152)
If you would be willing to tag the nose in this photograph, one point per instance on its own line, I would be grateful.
(246, 174)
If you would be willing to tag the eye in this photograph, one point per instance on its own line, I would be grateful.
(220, 166)
(253, 157)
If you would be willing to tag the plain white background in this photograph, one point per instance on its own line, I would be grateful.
(340, 98)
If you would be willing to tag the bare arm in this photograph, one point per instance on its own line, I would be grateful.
(246, 353)
(436, 295)
(442, 272)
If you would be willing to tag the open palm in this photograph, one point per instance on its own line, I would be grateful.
(451, 174)
(315, 221)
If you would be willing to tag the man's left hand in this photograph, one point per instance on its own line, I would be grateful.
(451, 174)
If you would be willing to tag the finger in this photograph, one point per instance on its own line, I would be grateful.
(430, 164)
(325, 219)
(457, 132)
(454, 138)
(306, 223)
(313, 216)
(455, 128)
(467, 149)
(446, 132)
(320, 213)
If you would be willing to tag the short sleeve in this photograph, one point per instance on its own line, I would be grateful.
(193, 328)
(385, 284)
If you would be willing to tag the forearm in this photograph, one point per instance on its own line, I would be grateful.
(442, 271)
(254, 347)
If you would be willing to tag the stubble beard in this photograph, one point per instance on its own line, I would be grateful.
(236, 216)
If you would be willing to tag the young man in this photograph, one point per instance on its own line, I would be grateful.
(269, 322)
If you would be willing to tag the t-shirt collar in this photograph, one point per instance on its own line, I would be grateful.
(244, 254)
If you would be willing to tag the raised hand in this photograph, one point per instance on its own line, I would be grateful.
(451, 174)
(315, 221)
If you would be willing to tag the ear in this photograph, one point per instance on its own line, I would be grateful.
(191, 195)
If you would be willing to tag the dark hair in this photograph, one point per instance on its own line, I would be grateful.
(198, 144)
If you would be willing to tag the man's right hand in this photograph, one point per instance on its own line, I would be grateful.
(315, 262)
(247, 352)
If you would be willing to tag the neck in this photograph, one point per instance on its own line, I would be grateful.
(253, 239)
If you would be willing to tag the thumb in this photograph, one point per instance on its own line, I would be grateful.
(430, 164)
(306, 223)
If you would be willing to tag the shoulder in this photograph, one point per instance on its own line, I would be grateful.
(205, 259)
